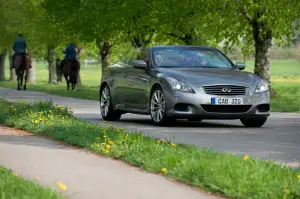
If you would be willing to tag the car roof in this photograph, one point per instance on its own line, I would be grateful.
(183, 46)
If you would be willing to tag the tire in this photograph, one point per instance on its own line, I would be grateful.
(158, 108)
(106, 108)
(254, 122)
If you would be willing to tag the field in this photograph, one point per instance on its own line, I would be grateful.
(285, 78)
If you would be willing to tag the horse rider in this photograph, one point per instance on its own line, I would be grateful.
(70, 52)
(19, 48)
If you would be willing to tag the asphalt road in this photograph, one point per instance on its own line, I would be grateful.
(278, 139)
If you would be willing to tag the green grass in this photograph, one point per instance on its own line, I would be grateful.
(15, 187)
(289, 100)
(221, 173)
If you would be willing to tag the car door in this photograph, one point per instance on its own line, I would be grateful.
(118, 82)
(138, 81)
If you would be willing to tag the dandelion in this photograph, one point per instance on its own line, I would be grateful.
(61, 186)
(37, 177)
(104, 136)
(36, 121)
(298, 176)
(107, 146)
(173, 145)
(15, 174)
(158, 141)
(286, 191)
(246, 157)
(163, 170)
(107, 151)
(110, 142)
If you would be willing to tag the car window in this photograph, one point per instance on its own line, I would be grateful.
(189, 57)
(140, 55)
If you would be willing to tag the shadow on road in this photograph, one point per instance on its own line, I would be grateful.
(142, 121)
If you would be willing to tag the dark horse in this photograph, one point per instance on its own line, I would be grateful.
(21, 66)
(70, 70)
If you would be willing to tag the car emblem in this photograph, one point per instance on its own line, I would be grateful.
(226, 90)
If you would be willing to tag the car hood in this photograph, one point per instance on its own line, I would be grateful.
(206, 76)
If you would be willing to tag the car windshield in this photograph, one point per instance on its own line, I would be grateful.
(189, 57)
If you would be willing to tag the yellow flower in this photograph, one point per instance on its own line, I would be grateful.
(158, 141)
(107, 146)
(36, 121)
(173, 145)
(298, 176)
(37, 177)
(50, 111)
(246, 157)
(61, 186)
(163, 170)
(15, 174)
(286, 191)
(104, 136)
(107, 151)
(110, 142)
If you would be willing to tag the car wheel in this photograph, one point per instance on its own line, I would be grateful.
(158, 108)
(254, 122)
(106, 108)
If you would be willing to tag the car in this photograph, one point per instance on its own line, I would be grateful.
(171, 82)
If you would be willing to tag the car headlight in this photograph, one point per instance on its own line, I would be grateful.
(180, 86)
(262, 87)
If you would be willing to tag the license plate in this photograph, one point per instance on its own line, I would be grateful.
(227, 101)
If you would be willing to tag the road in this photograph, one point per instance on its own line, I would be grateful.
(278, 139)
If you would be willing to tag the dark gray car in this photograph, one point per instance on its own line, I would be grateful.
(183, 82)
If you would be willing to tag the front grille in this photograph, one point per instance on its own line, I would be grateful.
(226, 108)
(225, 90)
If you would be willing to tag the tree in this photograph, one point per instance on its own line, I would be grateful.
(254, 22)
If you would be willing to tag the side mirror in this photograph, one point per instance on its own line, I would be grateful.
(240, 65)
(139, 64)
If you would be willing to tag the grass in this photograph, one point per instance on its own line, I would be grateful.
(12, 186)
(285, 76)
(229, 175)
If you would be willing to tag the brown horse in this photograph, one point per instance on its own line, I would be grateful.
(21, 67)
(70, 70)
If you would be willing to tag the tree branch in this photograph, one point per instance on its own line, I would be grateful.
(246, 14)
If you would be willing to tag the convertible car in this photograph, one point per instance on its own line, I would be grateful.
(183, 82)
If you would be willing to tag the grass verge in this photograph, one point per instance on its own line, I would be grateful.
(225, 174)
(12, 186)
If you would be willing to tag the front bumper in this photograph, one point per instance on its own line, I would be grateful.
(198, 105)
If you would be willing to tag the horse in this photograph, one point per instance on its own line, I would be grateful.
(20, 68)
(70, 70)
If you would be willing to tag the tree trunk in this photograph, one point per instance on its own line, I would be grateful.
(79, 77)
(52, 65)
(2, 65)
(13, 75)
(31, 76)
(263, 41)
(58, 71)
(105, 53)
